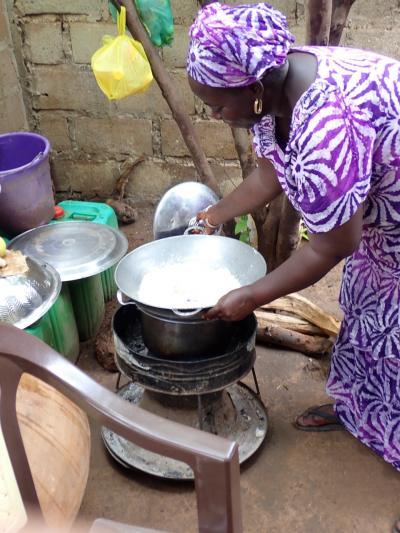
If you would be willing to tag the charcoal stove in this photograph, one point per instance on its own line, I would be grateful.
(203, 392)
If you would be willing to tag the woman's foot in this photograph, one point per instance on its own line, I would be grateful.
(319, 418)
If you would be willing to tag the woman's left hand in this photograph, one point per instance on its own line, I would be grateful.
(235, 305)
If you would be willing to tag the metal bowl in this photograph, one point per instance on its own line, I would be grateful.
(192, 252)
(24, 298)
(179, 205)
(76, 250)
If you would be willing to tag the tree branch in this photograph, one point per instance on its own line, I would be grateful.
(318, 22)
(340, 12)
(170, 94)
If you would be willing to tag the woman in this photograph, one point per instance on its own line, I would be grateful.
(326, 125)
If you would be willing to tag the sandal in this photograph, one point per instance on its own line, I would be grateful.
(332, 421)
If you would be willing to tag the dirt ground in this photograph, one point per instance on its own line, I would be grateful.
(297, 482)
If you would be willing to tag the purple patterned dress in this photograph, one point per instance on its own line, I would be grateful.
(344, 152)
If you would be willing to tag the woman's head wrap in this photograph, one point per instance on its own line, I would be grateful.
(234, 46)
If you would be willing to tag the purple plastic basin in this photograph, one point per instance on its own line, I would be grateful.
(26, 193)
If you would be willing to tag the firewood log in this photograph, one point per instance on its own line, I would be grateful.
(312, 345)
(268, 318)
(300, 306)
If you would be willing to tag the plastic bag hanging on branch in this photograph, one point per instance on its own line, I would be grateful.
(120, 66)
(156, 17)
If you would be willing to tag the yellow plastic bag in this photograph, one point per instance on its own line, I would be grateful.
(120, 66)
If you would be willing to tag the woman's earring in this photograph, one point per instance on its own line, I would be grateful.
(258, 105)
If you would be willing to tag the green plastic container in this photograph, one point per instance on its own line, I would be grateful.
(58, 327)
(4, 236)
(88, 304)
(43, 330)
(64, 325)
(95, 212)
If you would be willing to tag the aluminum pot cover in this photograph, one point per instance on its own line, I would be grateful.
(77, 250)
(178, 205)
(242, 261)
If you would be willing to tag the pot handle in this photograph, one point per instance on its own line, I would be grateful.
(194, 230)
(192, 312)
(120, 298)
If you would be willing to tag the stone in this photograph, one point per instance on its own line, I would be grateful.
(55, 127)
(215, 138)
(92, 8)
(43, 42)
(385, 42)
(12, 113)
(153, 102)
(171, 140)
(8, 73)
(184, 11)
(175, 55)
(87, 177)
(152, 179)
(116, 135)
(299, 32)
(68, 87)
(86, 38)
(227, 174)
(5, 35)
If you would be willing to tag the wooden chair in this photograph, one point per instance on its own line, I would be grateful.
(214, 460)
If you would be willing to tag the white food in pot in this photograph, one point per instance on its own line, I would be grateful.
(171, 285)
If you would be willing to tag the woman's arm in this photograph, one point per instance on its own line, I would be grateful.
(305, 267)
(258, 189)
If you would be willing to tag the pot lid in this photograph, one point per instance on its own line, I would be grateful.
(178, 205)
(76, 250)
(24, 298)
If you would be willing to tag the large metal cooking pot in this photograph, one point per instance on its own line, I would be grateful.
(183, 338)
(241, 260)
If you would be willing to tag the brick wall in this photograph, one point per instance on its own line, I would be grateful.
(90, 136)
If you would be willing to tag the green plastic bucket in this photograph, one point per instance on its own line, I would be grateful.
(64, 325)
(94, 212)
(43, 330)
(88, 304)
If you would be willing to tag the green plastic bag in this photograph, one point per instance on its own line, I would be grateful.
(156, 16)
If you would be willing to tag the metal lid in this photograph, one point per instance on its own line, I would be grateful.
(178, 205)
(24, 298)
(75, 249)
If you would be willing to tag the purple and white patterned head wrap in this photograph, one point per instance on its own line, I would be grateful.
(234, 46)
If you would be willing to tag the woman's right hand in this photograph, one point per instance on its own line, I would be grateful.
(206, 220)
(203, 223)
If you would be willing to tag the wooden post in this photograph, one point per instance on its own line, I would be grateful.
(170, 94)
(340, 12)
(318, 22)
